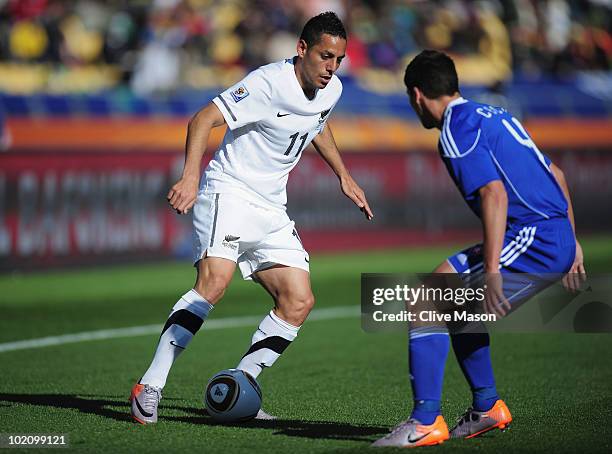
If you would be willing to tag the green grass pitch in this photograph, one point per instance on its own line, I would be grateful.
(336, 389)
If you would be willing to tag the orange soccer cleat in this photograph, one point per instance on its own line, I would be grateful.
(474, 423)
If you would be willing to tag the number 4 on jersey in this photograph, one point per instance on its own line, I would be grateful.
(525, 140)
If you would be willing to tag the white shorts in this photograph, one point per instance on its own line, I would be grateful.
(253, 236)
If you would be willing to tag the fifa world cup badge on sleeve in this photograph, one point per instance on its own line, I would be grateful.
(240, 93)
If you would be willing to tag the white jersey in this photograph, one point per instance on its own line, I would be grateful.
(270, 122)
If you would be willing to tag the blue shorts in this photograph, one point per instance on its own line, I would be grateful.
(544, 247)
(533, 256)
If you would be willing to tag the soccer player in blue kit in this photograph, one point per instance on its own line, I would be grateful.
(523, 202)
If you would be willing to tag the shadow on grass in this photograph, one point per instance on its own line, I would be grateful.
(99, 405)
(96, 405)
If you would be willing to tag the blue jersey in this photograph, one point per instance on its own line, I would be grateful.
(481, 143)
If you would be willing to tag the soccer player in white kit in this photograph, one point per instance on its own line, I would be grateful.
(239, 215)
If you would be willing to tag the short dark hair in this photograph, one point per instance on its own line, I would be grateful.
(433, 73)
(327, 22)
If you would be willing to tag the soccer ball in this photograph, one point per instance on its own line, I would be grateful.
(232, 395)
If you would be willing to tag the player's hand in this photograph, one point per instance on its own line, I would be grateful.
(352, 190)
(577, 274)
(495, 300)
(182, 196)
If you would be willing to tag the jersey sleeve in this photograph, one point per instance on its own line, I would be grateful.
(468, 156)
(245, 102)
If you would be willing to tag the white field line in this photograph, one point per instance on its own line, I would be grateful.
(221, 323)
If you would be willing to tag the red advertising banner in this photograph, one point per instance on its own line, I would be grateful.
(59, 209)
(74, 208)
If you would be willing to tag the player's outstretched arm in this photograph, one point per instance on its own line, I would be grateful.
(494, 206)
(325, 145)
(577, 272)
(183, 194)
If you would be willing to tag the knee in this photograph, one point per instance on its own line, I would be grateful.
(212, 287)
(295, 307)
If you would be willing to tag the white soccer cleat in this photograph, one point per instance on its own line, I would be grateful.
(411, 434)
(145, 400)
(263, 416)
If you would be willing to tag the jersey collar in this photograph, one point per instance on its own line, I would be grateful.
(453, 103)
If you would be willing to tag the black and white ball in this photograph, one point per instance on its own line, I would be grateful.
(232, 395)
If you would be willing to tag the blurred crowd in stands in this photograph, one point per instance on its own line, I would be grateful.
(160, 45)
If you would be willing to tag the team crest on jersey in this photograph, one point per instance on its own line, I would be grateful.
(240, 93)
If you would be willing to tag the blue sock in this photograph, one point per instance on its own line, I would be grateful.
(474, 356)
(427, 360)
